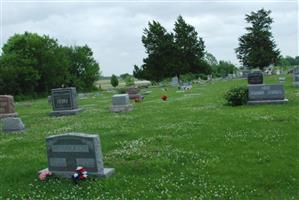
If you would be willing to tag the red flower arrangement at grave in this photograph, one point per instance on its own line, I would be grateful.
(80, 174)
(164, 98)
(44, 174)
(137, 100)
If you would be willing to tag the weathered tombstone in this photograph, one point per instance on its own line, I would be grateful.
(174, 81)
(261, 94)
(255, 78)
(50, 100)
(186, 86)
(245, 73)
(230, 76)
(296, 79)
(209, 77)
(121, 103)
(134, 93)
(7, 106)
(12, 124)
(68, 151)
(281, 79)
(64, 102)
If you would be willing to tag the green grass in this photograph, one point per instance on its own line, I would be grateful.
(190, 147)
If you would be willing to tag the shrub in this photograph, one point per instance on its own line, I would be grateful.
(122, 90)
(237, 96)
(114, 81)
(129, 81)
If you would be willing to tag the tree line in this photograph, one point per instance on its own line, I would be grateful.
(183, 51)
(31, 65)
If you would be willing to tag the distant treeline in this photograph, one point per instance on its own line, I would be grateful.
(31, 65)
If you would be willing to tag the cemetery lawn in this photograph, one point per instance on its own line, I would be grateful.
(190, 147)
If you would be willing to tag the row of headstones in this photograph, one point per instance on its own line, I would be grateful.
(64, 102)
(8, 115)
(68, 151)
(260, 93)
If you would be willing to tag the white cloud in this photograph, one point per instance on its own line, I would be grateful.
(114, 30)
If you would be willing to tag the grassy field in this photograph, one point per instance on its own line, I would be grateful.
(190, 147)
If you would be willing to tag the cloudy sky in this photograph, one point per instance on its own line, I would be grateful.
(113, 29)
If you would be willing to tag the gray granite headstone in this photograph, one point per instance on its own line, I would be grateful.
(64, 101)
(121, 103)
(259, 94)
(230, 76)
(12, 124)
(255, 78)
(50, 100)
(174, 81)
(245, 73)
(281, 79)
(7, 106)
(68, 151)
(296, 78)
(186, 86)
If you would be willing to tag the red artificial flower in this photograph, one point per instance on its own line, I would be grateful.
(137, 100)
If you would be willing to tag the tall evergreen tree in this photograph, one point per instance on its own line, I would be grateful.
(257, 47)
(189, 48)
(114, 81)
(159, 46)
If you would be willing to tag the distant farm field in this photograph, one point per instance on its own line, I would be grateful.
(189, 147)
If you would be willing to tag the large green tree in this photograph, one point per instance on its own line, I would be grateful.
(160, 49)
(257, 48)
(189, 49)
(83, 68)
(31, 64)
(171, 54)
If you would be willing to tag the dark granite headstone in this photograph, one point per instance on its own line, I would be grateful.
(255, 78)
(7, 106)
(259, 94)
(68, 151)
(64, 102)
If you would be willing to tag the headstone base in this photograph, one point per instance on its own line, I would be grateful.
(267, 102)
(106, 174)
(8, 115)
(65, 112)
(296, 84)
(13, 124)
(121, 108)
